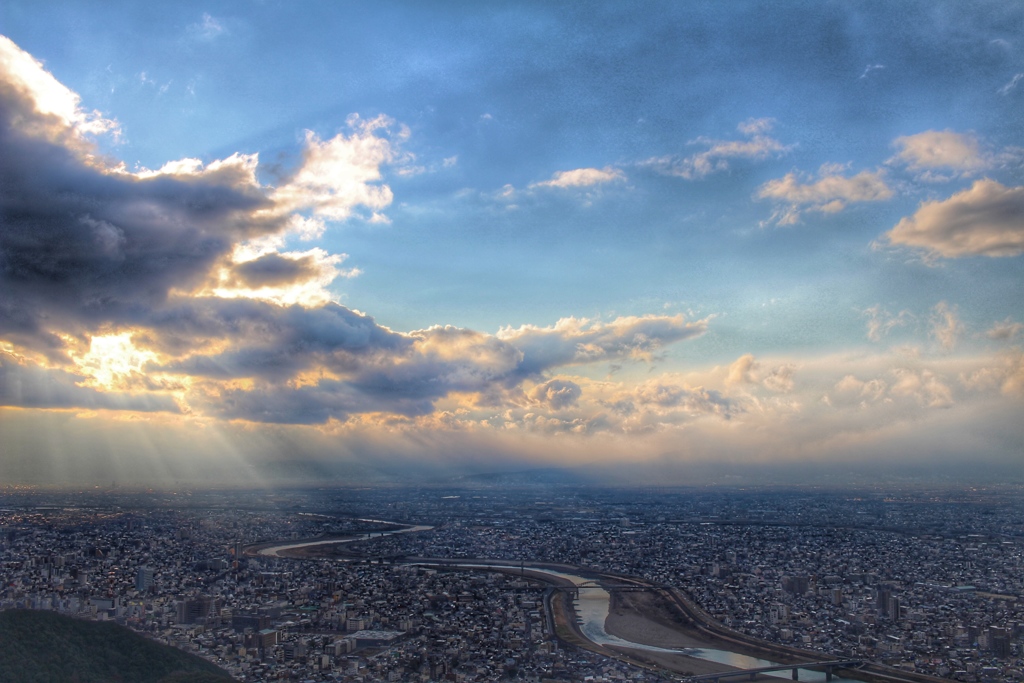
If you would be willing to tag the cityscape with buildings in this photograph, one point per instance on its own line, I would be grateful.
(922, 581)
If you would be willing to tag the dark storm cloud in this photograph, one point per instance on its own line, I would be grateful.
(81, 246)
(265, 340)
(311, 404)
(272, 270)
(34, 387)
(377, 370)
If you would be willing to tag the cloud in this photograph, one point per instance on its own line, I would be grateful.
(286, 278)
(986, 219)
(87, 243)
(574, 341)
(946, 327)
(830, 193)
(359, 367)
(81, 247)
(1011, 85)
(27, 386)
(37, 104)
(716, 158)
(663, 404)
(274, 269)
(931, 150)
(745, 370)
(881, 322)
(207, 28)
(557, 393)
(1005, 330)
(583, 177)
(851, 389)
(338, 175)
(924, 386)
(741, 371)
(222, 338)
(871, 67)
(692, 400)
(180, 273)
(780, 378)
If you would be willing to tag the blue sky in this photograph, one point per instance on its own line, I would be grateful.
(789, 228)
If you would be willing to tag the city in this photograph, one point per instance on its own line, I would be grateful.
(922, 581)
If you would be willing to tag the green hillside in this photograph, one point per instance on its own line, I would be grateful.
(45, 647)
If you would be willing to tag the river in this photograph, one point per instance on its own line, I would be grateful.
(592, 607)
(275, 550)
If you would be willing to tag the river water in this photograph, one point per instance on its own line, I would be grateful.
(592, 608)
(275, 551)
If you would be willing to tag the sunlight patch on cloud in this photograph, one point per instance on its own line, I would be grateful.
(583, 177)
(338, 175)
(48, 96)
(237, 170)
(111, 356)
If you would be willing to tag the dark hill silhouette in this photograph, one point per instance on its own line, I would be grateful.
(46, 647)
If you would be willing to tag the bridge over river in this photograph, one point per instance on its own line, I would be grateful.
(827, 666)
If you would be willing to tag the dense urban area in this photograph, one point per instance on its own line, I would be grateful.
(930, 581)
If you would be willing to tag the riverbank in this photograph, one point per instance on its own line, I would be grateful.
(646, 617)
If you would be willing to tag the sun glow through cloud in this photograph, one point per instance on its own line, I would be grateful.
(111, 359)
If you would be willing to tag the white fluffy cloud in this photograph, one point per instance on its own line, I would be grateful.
(48, 96)
(581, 340)
(831, 192)
(747, 370)
(583, 177)
(338, 175)
(941, 150)
(986, 219)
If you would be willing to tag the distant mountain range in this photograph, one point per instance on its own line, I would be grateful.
(46, 647)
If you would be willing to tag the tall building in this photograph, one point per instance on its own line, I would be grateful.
(143, 578)
(198, 608)
(882, 601)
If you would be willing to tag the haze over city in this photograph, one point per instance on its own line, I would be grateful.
(259, 243)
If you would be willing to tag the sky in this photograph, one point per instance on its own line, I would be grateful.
(252, 243)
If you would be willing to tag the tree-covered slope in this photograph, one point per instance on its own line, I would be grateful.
(45, 647)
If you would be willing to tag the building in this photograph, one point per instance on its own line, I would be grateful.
(143, 578)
